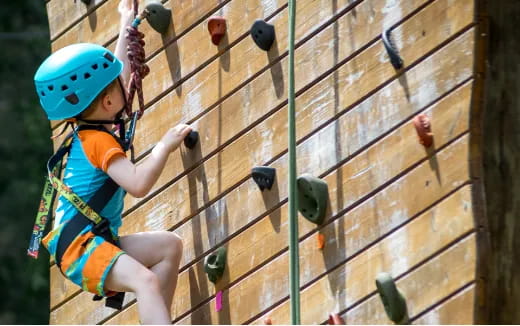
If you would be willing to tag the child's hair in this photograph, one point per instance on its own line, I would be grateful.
(90, 109)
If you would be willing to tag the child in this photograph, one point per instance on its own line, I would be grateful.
(86, 82)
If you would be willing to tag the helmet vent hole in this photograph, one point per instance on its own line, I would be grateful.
(105, 65)
(73, 77)
(109, 57)
(64, 87)
(43, 93)
(51, 88)
(86, 75)
(95, 66)
(72, 98)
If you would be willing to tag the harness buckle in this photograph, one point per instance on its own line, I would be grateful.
(102, 228)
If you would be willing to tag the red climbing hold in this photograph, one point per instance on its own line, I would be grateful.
(217, 29)
(335, 319)
(268, 321)
(423, 128)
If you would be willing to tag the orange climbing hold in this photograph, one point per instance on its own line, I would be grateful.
(217, 29)
(268, 321)
(423, 128)
(321, 241)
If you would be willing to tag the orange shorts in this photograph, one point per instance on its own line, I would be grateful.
(87, 260)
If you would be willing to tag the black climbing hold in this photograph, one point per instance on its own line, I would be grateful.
(191, 140)
(86, 2)
(312, 198)
(391, 49)
(215, 263)
(264, 176)
(263, 34)
(393, 301)
(159, 17)
(217, 29)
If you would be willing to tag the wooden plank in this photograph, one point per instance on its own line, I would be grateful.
(64, 13)
(354, 280)
(443, 74)
(262, 240)
(354, 80)
(432, 282)
(458, 310)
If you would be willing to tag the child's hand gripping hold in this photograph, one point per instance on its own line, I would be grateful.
(138, 179)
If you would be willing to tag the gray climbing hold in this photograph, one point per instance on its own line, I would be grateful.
(159, 17)
(312, 198)
(393, 300)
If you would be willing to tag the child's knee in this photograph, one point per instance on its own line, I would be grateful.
(147, 280)
(175, 245)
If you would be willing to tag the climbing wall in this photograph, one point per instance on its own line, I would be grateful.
(394, 206)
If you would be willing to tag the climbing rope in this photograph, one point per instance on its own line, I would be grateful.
(138, 68)
(294, 267)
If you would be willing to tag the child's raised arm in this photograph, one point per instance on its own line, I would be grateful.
(126, 11)
(137, 180)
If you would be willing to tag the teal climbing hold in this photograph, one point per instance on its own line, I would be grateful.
(215, 263)
(312, 198)
(158, 17)
(393, 300)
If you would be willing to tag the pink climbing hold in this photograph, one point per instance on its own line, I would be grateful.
(218, 302)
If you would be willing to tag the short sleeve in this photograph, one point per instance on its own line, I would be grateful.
(100, 148)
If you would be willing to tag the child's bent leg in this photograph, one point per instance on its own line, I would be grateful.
(128, 275)
(161, 251)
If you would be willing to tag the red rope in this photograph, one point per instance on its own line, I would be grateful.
(136, 56)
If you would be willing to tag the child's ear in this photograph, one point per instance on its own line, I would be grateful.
(106, 102)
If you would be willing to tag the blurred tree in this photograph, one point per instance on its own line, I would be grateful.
(24, 148)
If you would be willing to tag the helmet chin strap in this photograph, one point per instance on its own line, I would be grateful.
(118, 121)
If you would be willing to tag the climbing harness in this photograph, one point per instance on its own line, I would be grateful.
(88, 212)
(294, 267)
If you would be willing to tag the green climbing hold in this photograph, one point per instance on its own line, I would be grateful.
(312, 198)
(159, 17)
(215, 263)
(393, 300)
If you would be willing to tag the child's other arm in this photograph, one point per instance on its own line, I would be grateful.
(137, 180)
(126, 11)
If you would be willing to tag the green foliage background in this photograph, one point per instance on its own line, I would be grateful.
(24, 148)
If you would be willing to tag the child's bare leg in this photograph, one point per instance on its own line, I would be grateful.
(161, 251)
(128, 275)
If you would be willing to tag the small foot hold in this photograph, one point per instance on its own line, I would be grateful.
(217, 29)
(191, 140)
(335, 319)
(158, 17)
(393, 301)
(424, 132)
(215, 263)
(268, 321)
(264, 177)
(391, 49)
(312, 198)
(263, 34)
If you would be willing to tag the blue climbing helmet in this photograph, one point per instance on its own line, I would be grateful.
(71, 78)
